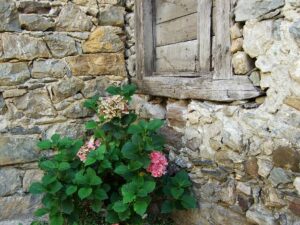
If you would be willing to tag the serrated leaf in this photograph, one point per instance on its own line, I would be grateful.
(48, 179)
(135, 129)
(56, 220)
(64, 166)
(128, 192)
(89, 161)
(167, 207)
(121, 169)
(44, 145)
(147, 188)
(120, 207)
(96, 206)
(182, 179)
(84, 192)
(188, 202)
(90, 125)
(129, 151)
(55, 187)
(48, 165)
(176, 192)
(55, 138)
(67, 206)
(135, 165)
(100, 194)
(112, 217)
(36, 188)
(113, 90)
(155, 124)
(140, 206)
(41, 212)
(71, 189)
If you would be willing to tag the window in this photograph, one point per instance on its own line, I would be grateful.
(183, 51)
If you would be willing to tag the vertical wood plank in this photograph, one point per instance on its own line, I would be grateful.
(222, 55)
(204, 34)
(144, 38)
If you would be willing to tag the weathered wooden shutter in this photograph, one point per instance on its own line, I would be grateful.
(183, 50)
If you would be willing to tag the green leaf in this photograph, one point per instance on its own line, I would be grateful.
(125, 215)
(155, 124)
(64, 166)
(96, 206)
(71, 190)
(119, 206)
(182, 179)
(128, 90)
(67, 206)
(167, 207)
(41, 212)
(147, 188)
(177, 192)
(80, 178)
(128, 192)
(100, 194)
(57, 220)
(100, 152)
(112, 217)
(54, 187)
(84, 192)
(129, 151)
(140, 206)
(36, 188)
(92, 177)
(90, 125)
(121, 169)
(188, 202)
(44, 145)
(90, 160)
(48, 179)
(113, 90)
(55, 138)
(135, 129)
(48, 165)
(91, 103)
(135, 165)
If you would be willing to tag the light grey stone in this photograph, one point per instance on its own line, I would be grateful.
(264, 167)
(77, 110)
(279, 176)
(61, 45)
(13, 73)
(18, 206)
(66, 88)
(96, 86)
(9, 20)
(252, 9)
(49, 68)
(31, 176)
(295, 31)
(255, 78)
(295, 71)
(72, 18)
(261, 216)
(35, 22)
(16, 150)
(112, 15)
(3, 107)
(10, 181)
(72, 129)
(241, 63)
(22, 47)
(297, 184)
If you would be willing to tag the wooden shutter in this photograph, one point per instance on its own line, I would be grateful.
(176, 41)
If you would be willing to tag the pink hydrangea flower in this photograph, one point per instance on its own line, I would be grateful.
(158, 165)
(90, 145)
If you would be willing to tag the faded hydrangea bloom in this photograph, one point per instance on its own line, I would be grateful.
(158, 165)
(90, 145)
(113, 106)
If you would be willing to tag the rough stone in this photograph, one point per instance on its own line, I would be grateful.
(295, 206)
(49, 68)
(295, 71)
(30, 177)
(297, 184)
(35, 104)
(271, 198)
(3, 107)
(70, 129)
(72, 18)
(10, 181)
(293, 102)
(15, 150)
(295, 31)
(176, 112)
(22, 47)
(243, 188)
(30, 7)
(255, 78)
(112, 16)
(261, 216)
(104, 39)
(16, 206)
(172, 137)
(241, 63)
(97, 64)
(13, 73)
(264, 167)
(244, 202)
(287, 158)
(96, 86)
(66, 88)
(9, 20)
(258, 37)
(236, 31)
(251, 167)
(77, 110)
(279, 176)
(14, 93)
(252, 9)
(61, 45)
(35, 22)
(237, 45)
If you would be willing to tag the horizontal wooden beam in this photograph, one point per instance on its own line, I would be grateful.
(202, 88)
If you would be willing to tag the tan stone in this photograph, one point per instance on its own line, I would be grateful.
(293, 102)
(237, 45)
(97, 64)
(14, 93)
(236, 31)
(104, 39)
(176, 112)
(241, 63)
(251, 167)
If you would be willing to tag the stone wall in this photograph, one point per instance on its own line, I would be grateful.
(243, 156)
(53, 55)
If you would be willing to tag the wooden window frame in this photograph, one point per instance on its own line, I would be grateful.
(218, 85)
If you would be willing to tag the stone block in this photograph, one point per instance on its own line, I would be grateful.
(10, 181)
(72, 18)
(13, 73)
(22, 47)
(35, 22)
(30, 177)
(17, 150)
(104, 39)
(97, 64)
(287, 158)
(242, 63)
(49, 68)
(112, 16)
(9, 20)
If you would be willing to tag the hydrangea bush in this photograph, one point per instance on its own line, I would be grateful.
(118, 170)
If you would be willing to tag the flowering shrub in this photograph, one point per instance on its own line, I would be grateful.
(119, 172)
